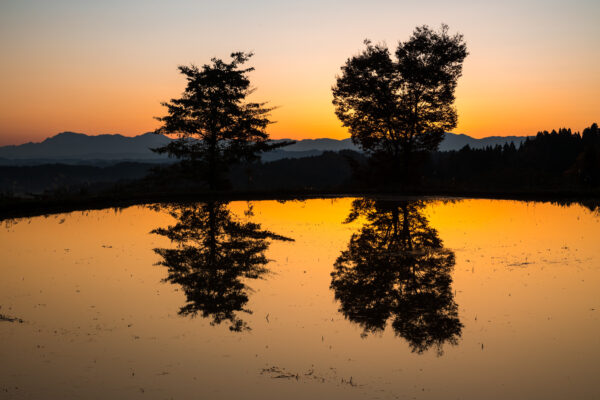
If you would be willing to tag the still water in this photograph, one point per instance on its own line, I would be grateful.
(326, 298)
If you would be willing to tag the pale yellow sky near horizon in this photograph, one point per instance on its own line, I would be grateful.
(104, 67)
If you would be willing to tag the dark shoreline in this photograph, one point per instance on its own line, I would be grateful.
(23, 207)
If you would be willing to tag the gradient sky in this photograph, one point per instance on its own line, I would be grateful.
(105, 66)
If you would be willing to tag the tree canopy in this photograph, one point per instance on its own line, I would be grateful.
(396, 269)
(394, 108)
(215, 257)
(215, 123)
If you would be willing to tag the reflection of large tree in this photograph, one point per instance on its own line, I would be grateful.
(215, 255)
(396, 268)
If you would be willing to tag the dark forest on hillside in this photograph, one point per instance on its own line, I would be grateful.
(560, 160)
(551, 160)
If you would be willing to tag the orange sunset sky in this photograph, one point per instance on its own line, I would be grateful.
(104, 67)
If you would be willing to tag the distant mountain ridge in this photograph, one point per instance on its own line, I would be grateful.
(454, 141)
(71, 145)
(79, 148)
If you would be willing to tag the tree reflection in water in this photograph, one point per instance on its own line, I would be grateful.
(215, 255)
(396, 268)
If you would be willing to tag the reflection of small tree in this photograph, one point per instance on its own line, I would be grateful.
(395, 109)
(215, 124)
(396, 268)
(215, 254)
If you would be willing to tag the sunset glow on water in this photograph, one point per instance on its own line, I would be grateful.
(98, 319)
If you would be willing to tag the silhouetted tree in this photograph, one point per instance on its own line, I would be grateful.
(215, 124)
(396, 108)
(587, 164)
(396, 268)
(214, 256)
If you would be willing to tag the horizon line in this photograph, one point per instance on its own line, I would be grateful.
(279, 138)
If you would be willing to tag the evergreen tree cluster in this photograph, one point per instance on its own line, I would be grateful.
(559, 159)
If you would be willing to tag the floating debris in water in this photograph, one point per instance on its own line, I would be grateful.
(279, 373)
(521, 264)
(10, 319)
(349, 382)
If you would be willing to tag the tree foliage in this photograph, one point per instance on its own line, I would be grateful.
(394, 108)
(215, 124)
(215, 257)
(396, 268)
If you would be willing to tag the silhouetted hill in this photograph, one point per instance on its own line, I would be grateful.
(320, 144)
(51, 177)
(78, 148)
(549, 163)
(453, 141)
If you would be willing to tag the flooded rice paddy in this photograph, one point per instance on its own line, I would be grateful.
(326, 298)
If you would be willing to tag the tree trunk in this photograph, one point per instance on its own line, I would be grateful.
(212, 161)
(212, 234)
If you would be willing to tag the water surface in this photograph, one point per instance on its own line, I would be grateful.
(345, 298)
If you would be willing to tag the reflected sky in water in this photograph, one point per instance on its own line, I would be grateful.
(343, 298)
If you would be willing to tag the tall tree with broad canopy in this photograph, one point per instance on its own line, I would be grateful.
(215, 124)
(397, 108)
